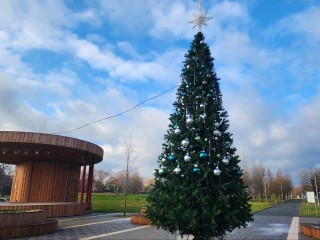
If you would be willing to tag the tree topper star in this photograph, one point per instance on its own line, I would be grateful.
(200, 18)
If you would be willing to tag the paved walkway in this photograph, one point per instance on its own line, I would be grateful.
(274, 223)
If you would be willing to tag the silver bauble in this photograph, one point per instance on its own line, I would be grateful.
(189, 121)
(177, 170)
(177, 131)
(217, 132)
(185, 143)
(187, 158)
(217, 171)
(225, 161)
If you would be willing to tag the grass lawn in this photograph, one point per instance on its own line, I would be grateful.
(258, 206)
(310, 211)
(114, 203)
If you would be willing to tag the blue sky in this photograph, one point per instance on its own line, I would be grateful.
(67, 63)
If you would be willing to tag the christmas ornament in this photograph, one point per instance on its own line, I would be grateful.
(225, 161)
(154, 172)
(185, 143)
(217, 132)
(204, 82)
(163, 159)
(209, 95)
(197, 138)
(203, 154)
(203, 115)
(161, 171)
(187, 158)
(217, 171)
(172, 157)
(189, 121)
(177, 170)
(196, 169)
(202, 105)
(177, 131)
(188, 66)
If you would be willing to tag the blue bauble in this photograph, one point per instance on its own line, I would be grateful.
(203, 155)
(196, 169)
(172, 158)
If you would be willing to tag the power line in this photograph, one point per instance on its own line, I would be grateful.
(118, 114)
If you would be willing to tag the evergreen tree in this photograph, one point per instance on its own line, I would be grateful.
(198, 186)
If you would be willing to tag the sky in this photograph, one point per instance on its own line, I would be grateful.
(67, 63)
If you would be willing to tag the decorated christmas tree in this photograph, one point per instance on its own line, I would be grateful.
(198, 186)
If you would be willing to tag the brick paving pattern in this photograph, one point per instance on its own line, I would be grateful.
(273, 223)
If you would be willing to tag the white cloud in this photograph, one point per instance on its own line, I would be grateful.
(63, 99)
(303, 23)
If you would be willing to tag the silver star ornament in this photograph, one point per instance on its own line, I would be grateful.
(201, 18)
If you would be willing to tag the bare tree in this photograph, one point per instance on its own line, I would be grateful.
(305, 175)
(100, 180)
(282, 185)
(258, 173)
(148, 184)
(117, 181)
(131, 155)
(135, 184)
(315, 181)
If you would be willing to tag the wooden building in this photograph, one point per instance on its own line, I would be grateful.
(48, 169)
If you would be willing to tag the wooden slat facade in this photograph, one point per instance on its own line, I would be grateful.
(22, 218)
(45, 182)
(51, 209)
(310, 230)
(47, 170)
(52, 147)
(29, 230)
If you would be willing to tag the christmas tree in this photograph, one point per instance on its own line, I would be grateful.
(198, 186)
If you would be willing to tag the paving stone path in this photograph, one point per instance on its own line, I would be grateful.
(273, 223)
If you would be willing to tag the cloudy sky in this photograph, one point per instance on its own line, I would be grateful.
(66, 63)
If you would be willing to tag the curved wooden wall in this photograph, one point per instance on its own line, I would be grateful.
(45, 182)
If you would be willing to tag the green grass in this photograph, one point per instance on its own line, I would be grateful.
(258, 206)
(114, 203)
(310, 211)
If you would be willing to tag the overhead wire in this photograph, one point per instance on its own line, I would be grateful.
(116, 115)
